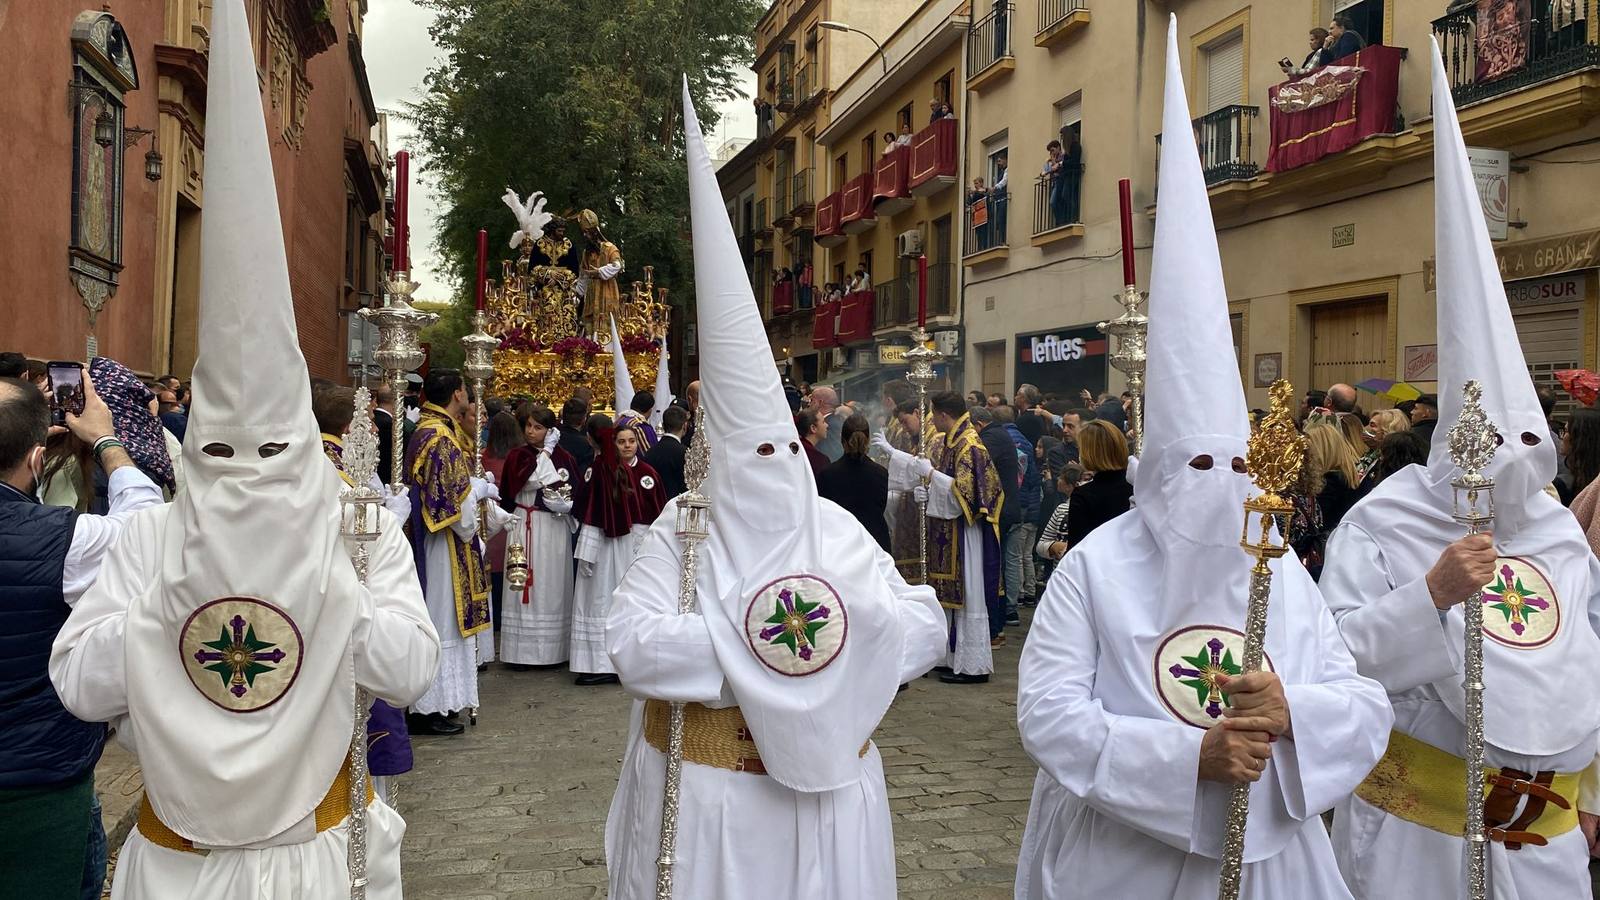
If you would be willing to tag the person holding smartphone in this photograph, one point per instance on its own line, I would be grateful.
(52, 836)
(1319, 41)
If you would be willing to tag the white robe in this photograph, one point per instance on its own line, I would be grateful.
(1397, 638)
(972, 654)
(456, 687)
(591, 594)
(740, 835)
(536, 633)
(394, 650)
(1117, 809)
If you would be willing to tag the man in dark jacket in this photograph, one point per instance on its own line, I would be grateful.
(667, 456)
(1343, 39)
(1019, 541)
(50, 834)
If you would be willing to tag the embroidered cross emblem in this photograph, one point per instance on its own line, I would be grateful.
(1514, 600)
(239, 657)
(794, 623)
(1201, 675)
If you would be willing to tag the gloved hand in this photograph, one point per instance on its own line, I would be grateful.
(558, 505)
(920, 493)
(585, 568)
(880, 441)
(922, 466)
(483, 489)
(399, 503)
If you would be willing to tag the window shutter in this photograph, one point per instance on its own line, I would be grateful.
(1070, 112)
(1225, 72)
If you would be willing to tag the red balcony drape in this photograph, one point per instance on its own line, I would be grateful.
(783, 298)
(933, 152)
(855, 200)
(828, 215)
(891, 174)
(855, 317)
(822, 328)
(1301, 138)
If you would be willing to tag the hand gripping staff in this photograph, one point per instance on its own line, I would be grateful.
(1472, 446)
(361, 514)
(1277, 451)
(694, 511)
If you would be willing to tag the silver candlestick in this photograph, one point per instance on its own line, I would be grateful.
(921, 359)
(478, 367)
(1128, 358)
(694, 526)
(399, 352)
(361, 513)
(1472, 447)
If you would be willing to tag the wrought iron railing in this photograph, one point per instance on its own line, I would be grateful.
(780, 195)
(763, 220)
(800, 193)
(989, 40)
(896, 300)
(992, 208)
(1056, 198)
(1487, 61)
(1223, 139)
(1053, 11)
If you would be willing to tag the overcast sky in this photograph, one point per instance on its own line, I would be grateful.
(398, 53)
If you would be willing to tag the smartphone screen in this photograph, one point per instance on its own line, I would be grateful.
(66, 389)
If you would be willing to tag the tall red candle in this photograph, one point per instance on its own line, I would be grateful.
(483, 265)
(922, 292)
(1125, 194)
(402, 211)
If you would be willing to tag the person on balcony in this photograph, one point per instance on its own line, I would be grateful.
(905, 135)
(1343, 40)
(978, 213)
(888, 143)
(1313, 60)
(1000, 199)
(938, 109)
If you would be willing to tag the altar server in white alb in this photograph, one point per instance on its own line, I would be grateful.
(1129, 694)
(804, 631)
(227, 634)
(1399, 569)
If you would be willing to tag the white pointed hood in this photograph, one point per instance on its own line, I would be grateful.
(621, 379)
(802, 618)
(1542, 550)
(1194, 402)
(243, 639)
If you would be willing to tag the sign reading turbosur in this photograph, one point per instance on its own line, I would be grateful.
(1063, 361)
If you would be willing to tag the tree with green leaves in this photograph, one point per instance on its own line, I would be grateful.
(580, 99)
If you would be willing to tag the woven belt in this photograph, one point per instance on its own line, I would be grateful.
(334, 808)
(1426, 786)
(711, 737)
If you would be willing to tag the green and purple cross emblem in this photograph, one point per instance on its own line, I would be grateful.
(239, 657)
(794, 623)
(1201, 675)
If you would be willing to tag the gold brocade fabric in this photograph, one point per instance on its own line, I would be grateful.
(962, 456)
(334, 808)
(1424, 785)
(711, 737)
(603, 299)
(1329, 84)
(442, 475)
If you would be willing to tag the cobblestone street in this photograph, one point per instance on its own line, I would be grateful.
(516, 808)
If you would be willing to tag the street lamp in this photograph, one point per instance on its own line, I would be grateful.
(840, 26)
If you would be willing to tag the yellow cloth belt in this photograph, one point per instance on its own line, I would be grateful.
(711, 737)
(1426, 786)
(334, 808)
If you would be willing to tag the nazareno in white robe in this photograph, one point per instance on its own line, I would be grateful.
(1117, 809)
(741, 835)
(1398, 638)
(537, 632)
(972, 654)
(395, 651)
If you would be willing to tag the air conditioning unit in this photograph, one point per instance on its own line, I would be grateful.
(948, 343)
(909, 244)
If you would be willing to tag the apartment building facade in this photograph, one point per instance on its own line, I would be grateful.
(1324, 214)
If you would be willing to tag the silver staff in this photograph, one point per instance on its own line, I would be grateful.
(479, 368)
(1472, 447)
(399, 351)
(361, 512)
(1277, 451)
(922, 359)
(1128, 358)
(694, 526)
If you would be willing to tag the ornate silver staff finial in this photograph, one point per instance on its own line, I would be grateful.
(921, 359)
(399, 351)
(694, 526)
(360, 508)
(1473, 440)
(1130, 330)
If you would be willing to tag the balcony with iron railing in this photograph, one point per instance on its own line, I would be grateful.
(986, 232)
(762, 226)
(785, 88)
(1058, 20)
(1223, 139)
(807, 86)
(800, 198)
(895, 301)
(990, 56)
(1560, 38)
(782, 208)
(933, 158)
(1056, 204)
